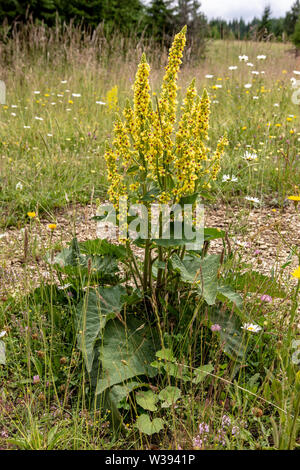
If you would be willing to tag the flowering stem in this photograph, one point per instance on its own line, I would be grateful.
(146, 265)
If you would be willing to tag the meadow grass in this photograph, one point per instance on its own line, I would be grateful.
(60, 107)
(52, 129)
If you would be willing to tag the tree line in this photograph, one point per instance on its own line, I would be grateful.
(157, 19)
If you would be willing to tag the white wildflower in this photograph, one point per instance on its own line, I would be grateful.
(255, 200)
(251, 327)
(249, 156)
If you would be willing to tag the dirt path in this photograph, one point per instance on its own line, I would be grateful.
(264, 238)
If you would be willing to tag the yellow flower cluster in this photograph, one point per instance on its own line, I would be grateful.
(112, 98)
(150, 151)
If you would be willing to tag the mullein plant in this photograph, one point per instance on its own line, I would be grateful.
(154, 153)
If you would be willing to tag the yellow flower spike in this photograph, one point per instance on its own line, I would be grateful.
(215, 168)
(168, 94)
(112, 98)
(203, 114)
(147, 142)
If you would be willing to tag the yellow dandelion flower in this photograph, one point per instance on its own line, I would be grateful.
(296, 273)
(31, 215)
(52, 226)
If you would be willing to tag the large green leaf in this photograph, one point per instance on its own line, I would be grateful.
(126, 351)
(146, 426)
(118, 392)
(172, 240)
(93, 312)
(147, 400)
(202, 273)
(226, 292)
(70, 256)
(73, 263)
(102, 247)
(211, 233)
(169, 396)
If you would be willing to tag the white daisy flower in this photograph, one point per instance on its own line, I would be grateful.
(249, 156)
(261, 57)
(225, 178)
(2, 333)
(38, 118)
(36, 92)
(252, 199)
(243, 58)
(65, 286)
(101, 102)
(232, 67)
(250, 64)
(296, 72)
(248, 85)
(251, 327)
(19, 186)
(208, 76)
(255, 97)
(76, 95)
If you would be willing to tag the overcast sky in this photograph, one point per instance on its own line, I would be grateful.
(229, 9)
(247, 9)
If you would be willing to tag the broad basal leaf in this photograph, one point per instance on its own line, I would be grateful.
(147, 400)
(102, 247)
(93, 312)
(146, 426)
(228, 293)
(202, 273)
(169, 396)
(125, 352)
